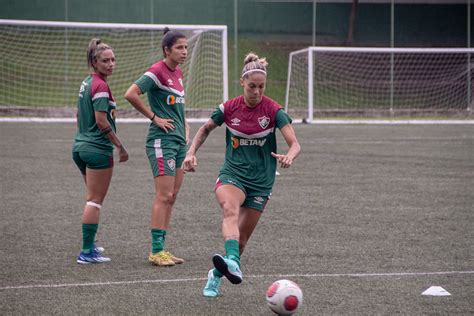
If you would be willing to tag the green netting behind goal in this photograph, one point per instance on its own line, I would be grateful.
(368, 81)
(42, 64)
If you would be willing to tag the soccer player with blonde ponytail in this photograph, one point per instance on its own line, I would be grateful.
(246, 177)
(94, 143)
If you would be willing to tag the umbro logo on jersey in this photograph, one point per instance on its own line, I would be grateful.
(235, 121)
(170, 82)
(263, 121)
(258, 199)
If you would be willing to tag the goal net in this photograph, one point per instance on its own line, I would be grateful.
(42, 64)
(332, 81)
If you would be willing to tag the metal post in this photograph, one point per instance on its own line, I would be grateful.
(225, 72)
(469, 79)
(310, 85)
(288, 80)
(236, 51)
(152, 34)
(66, 53)
(392, 45)
(314, 23)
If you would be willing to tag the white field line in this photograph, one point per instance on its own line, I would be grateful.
(297, 121)
(395, 122)
(272, 276)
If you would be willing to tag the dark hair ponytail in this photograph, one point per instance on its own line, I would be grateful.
(170, 38)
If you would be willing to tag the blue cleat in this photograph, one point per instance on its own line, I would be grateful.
(229, 268)
(212, 286)
(98, 249)
(92, 257)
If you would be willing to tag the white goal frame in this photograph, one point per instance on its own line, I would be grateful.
(310, 51)
(155, 27)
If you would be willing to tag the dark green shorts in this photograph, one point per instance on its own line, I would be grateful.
(86, 159)
(165, 156)
(253, 199)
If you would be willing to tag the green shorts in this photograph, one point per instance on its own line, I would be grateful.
(86, 159)
(165, 156)
(253, 199)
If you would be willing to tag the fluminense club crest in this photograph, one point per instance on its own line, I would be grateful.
(263, 121)
(171, 164)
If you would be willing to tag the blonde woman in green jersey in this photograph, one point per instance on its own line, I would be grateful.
(246, 178)
(94, 143)
(167, 136)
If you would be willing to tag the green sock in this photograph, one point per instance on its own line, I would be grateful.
(157, 240)
(216, 273)
(232, 250)
(88, 236)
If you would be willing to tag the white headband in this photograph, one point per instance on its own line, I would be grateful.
(253, 70)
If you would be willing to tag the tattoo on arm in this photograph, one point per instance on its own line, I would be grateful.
(106, 131)
(200, 137)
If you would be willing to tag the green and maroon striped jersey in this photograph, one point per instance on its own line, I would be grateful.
(165, 92)
(94, 96)
(250, 139)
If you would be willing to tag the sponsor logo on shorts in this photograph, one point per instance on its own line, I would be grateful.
(171, 163)
(171, 100)
(263, 121)
(259, 200)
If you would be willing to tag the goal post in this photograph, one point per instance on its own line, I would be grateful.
(42, 63)
(341, 81)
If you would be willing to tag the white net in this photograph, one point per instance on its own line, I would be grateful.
(42, 64)
(404, 81)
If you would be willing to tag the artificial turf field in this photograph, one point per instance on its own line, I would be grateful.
(367, 218)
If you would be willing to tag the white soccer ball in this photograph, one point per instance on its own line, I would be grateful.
(284, 297)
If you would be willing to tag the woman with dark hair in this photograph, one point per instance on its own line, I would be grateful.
(94, 143)
(167, 136)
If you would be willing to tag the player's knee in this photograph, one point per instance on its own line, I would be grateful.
(230, 209)
(91, 203)
(174, 197)
(166, 198)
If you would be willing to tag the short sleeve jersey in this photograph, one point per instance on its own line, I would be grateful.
(165, 92)
(250, 139)
(94, 96)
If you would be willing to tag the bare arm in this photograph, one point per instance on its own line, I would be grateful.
(133, 96)
(106, 129)
(294, 147)
(190, 162)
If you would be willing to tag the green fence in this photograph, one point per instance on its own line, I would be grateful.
(275, 28)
